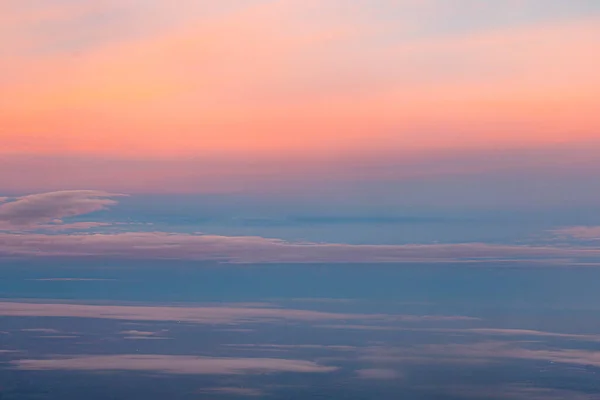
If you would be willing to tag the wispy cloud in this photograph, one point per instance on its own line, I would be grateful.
(139, 333)
(143, 335)
(481, 352)
(262, 347)
(579, 232)
(41, 330)
(485, 332)
(203, 314)
(515, 392)
(71, 279)
(234, 391)
(168, 364)
(46, 210)
(254, 249)
(379, 374)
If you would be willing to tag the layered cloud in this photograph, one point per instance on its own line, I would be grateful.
(168, 364)
(23, 219)
(252, 249)
(481, 352)
(201, 315)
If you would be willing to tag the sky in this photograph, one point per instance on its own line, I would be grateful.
(256, 95)
(292, 199)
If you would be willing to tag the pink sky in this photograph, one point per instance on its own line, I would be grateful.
(311, 83)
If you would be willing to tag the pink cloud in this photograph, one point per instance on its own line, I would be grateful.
(167, 364)
(58, 225)
(263, 347)
(254, 249)
(46, 209)
(203, 314)
(139, 333)
(579, 232)
(483, 352)
(495, 332)
(200, 315)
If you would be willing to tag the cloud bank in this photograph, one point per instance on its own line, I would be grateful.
(254, 249)
(24, 220)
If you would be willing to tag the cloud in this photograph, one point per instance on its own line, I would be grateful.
(359, 327)
(493, 332)
(254, 249)
(45, 210)
(167, 364)
(224, 314)
(378, 374)
(234, 391)
(263, 347)
(72, 279)
(59, 337)
(515, 392)
(200, 315)
(143, 335)
(579, 232)
(41, 330)
(527, 332)
(58, 225)
(482, 352)
(139, 333)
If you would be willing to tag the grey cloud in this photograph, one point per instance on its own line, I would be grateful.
(378, 374)
(516, 392)
(234, 391)
(72, 280)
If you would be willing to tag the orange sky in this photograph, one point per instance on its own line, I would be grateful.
(111, 79)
